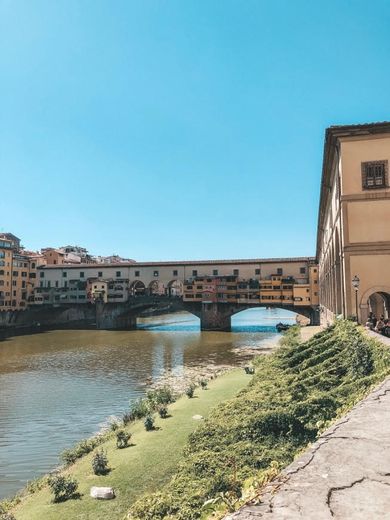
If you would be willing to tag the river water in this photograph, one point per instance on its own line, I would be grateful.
(59, 387)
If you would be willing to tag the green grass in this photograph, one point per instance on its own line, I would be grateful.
(142, 467)
(296, 393)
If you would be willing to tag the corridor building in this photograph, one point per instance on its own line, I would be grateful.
(353, 237)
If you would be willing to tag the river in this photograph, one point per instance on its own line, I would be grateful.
(59, 387)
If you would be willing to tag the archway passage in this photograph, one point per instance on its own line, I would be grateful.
(379, 304)
(376, 301)
(137, 288)
(175, 288)
(156, 288)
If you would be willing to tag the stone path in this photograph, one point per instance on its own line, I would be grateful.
(345, 475)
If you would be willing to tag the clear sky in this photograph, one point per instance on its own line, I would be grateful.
(180, 129)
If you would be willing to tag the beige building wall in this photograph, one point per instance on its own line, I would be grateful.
(354, 220)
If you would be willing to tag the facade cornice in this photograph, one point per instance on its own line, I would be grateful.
(309, 259)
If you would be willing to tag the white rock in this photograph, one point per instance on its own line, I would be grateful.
(197, 417)
(103, 493)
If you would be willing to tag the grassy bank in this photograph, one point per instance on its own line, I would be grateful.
(296, 393)
(143, 467)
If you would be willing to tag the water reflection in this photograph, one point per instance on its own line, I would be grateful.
(57, 387)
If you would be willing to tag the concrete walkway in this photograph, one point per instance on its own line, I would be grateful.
(345, 475)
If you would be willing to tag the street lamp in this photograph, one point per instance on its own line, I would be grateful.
(355, 284)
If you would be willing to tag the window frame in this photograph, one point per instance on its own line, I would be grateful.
(365, 166)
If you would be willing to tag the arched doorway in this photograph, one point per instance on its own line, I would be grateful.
(156, 288)
(137, 288)
(175, 288)
(377, 301)
(378, 304)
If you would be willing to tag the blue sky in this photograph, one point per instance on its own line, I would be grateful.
(180, 129)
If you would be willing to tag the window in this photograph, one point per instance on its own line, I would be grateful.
(175, 273)
(81, 274)
(302, 270)
(215, 272)
(257, 271)
(23, 285)
(56, 283)
(136, 274)
(118, 274)
(236, 272)
(15, 273)
(33, 265)
(100, 274)
(42, 274)
(279, 271)
(155, 273)
(64, 274)
(194, 272)
(48, 284)
(374, 175)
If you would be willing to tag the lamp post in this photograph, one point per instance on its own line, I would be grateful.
(356, 283)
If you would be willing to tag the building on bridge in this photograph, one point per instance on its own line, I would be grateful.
(275, 290)
(284, 282)
(353, 238)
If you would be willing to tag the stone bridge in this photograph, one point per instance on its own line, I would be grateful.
(213, 316)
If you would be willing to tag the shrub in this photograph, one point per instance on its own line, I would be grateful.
(127, 417)
(122, 439)
(82, 448)
(163, 395)
(149, 423)
(141, 408)
(114, 425)
(162, 411)
(203, 384)
(100, 463)
(63, 487)
(6, 516)
(361, 362)
(190, 391)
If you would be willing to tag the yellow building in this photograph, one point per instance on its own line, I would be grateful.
(18, 273)
(353, 239)
(275, 290)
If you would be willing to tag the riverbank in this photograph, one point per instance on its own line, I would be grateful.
(296, 394)
(211, 370)
(144, 466)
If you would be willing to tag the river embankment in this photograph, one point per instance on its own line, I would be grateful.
(148, 463)
(64, 384)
